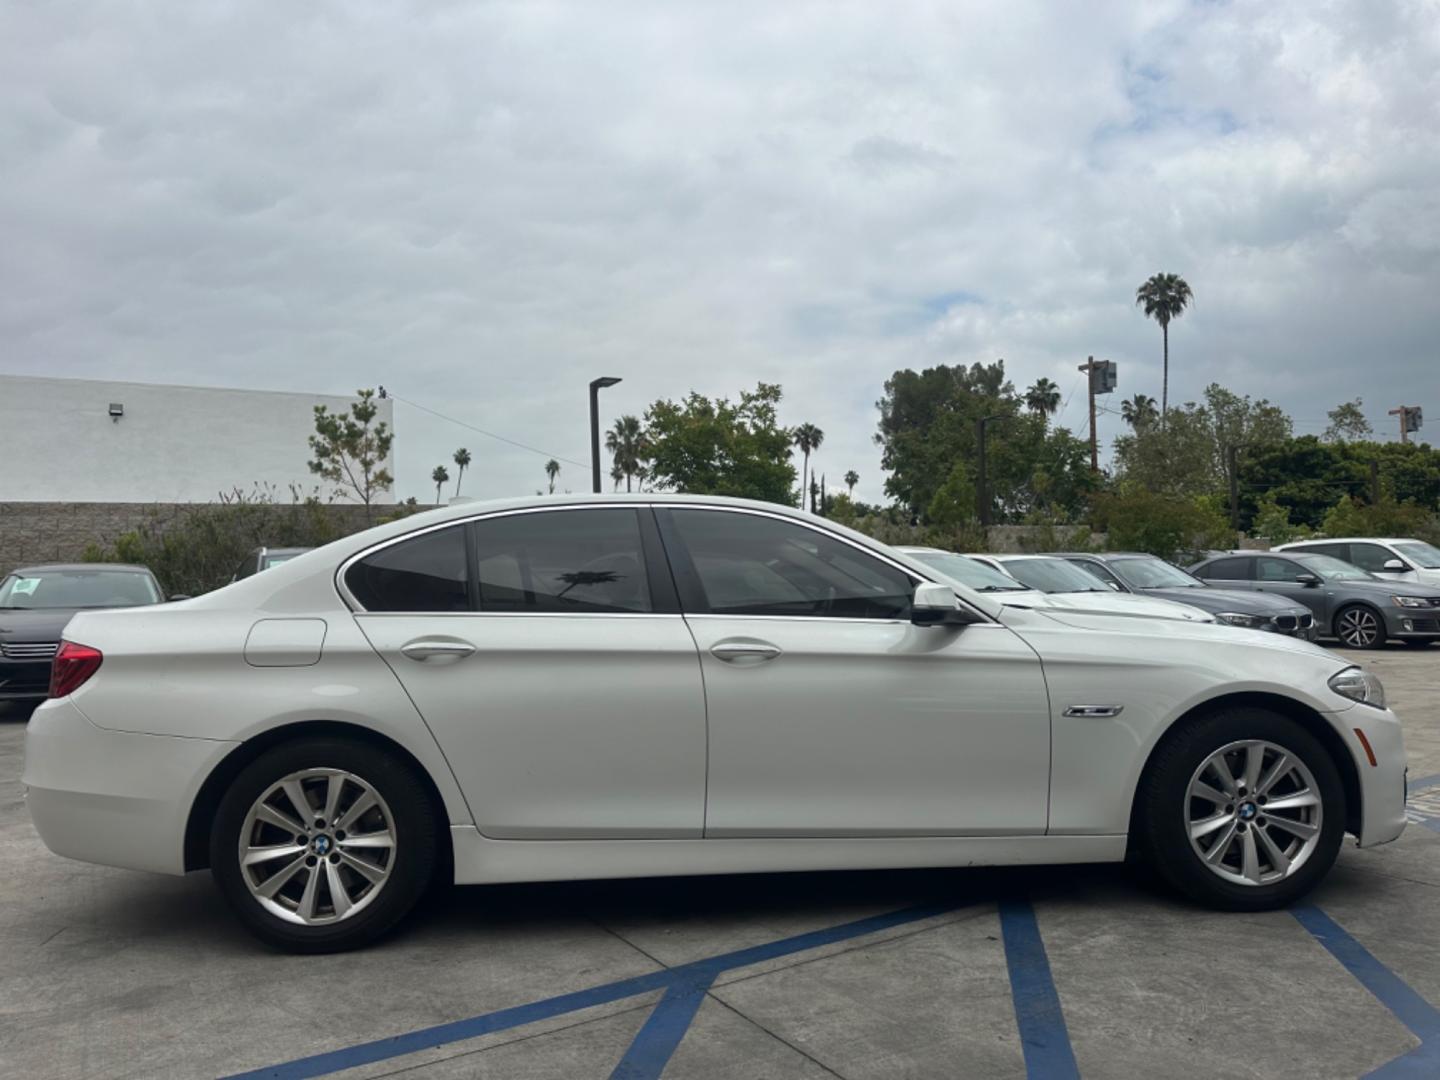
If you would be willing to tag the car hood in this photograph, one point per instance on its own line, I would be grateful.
(1113, 603)
(40, 624)
(1247, 603)
(1381, 589)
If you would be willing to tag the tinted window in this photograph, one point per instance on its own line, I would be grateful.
(1226, 570)
(1339, 551)
(1370, 556)
(1276, 570)
(751, 565)
(562, 560)
(426, 573)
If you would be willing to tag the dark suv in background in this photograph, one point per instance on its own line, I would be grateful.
(1136, 572)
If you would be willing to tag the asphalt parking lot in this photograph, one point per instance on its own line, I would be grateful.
(1046, 973)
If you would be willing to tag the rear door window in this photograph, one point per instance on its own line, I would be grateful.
(425, 573)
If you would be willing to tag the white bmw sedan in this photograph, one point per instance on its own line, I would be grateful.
(611, 686)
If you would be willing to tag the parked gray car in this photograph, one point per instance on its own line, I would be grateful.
(1137, 572)
(1357, 607)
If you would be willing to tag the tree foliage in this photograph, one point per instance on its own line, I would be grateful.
(1348, 423)
(1173, 527)
(719, 447)
(351, 449)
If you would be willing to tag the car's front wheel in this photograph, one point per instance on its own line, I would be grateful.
(323, 844)
(1242, 810)
(1359, 627)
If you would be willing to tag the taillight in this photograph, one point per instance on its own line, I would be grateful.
(72, 666)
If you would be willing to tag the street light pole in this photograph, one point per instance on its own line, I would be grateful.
(596, 385)
(982, 500)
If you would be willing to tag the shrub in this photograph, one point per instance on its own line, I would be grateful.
(1171, 527)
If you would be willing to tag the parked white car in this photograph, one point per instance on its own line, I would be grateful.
(610, 686)
(1066, 585)
(1391, 559)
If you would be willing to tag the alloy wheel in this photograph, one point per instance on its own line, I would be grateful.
(1358, 628)
(1253, 812)
(317, 846)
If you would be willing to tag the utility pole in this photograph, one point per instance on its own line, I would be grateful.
(1100, 379)
(1410, 420)
(982, 499)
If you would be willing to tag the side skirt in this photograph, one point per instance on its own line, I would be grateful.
(481, 860)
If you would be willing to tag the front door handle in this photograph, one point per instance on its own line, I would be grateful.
(751, 651)
(437, 651)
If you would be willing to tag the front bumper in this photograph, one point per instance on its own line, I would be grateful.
(1382, 785)
(1415, 623)
(24, 680)
(112, 797)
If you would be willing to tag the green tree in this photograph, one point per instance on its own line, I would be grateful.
(1172, 527)
(808, 438)
(720, 447)
(1139, 411)
(627, 446)
(1043, 398)
(351, 449)
(439, 475)
(1164, 298)
(851, 479)
(552, 470)
(1348, 423)
(1272, 523)
(462, 462)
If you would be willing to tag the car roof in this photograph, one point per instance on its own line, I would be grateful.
(1351, 540)
(281, 550)
(1100, 556)
(916, 549)
(87, 567)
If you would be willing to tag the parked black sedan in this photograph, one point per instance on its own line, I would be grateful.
(37, 601)
(1137, 572)
(1359, 608)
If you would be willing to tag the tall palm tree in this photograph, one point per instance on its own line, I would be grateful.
(616, 475)
(440, 475)
(1043, 398)
(851, 479)
(808, 438)
(1139, 411)
(462, 462)
(628, 447)
(552, 470)
(1164, 297)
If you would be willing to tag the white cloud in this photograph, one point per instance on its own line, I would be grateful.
(484, 206)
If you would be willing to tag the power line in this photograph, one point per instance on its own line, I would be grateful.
(488, 434)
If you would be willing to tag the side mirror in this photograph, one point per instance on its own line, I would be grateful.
(1394, 566)
(1308, 580)
(936, 605)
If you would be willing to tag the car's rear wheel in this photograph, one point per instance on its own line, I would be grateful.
(323, 844)
(1241, 810)
(1359, 627)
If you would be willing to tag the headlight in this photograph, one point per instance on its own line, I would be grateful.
(1238, 618)
(1410, 601)
(1357, 684)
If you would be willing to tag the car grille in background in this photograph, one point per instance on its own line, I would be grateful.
(1305, 621)
(1285, 622)
(29, 650)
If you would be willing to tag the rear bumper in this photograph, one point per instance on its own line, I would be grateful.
(112, 797)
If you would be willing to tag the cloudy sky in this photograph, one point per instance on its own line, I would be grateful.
(483, 206)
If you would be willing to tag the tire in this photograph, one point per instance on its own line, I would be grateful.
(1359, 626)
(1167, 808)
(367, 888)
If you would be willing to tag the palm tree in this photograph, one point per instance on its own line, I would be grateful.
(462, 462)
(808, 438)
(552, 470)
(851, 479)
(617, 474)
(628, 447)
(440, 475)
(1043, 398)
(1164, 297)
(1139, 411)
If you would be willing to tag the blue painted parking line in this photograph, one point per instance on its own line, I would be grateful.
(684, 975)
(1412, 1010)
(1043, 1035)
(650, 1052)
(1422, 802)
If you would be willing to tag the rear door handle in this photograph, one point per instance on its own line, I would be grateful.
(753, 651)
(437, 651)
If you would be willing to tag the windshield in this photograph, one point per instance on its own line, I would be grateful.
(1426, 556)
(1053, 576)
(58, 589)
(976, 575)
(1333, 569)
(1153, 574)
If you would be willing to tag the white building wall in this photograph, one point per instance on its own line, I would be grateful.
(58, 442)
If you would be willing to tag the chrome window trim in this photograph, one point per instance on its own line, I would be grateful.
(357, 608)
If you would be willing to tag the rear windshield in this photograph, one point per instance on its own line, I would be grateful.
(78, 589)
